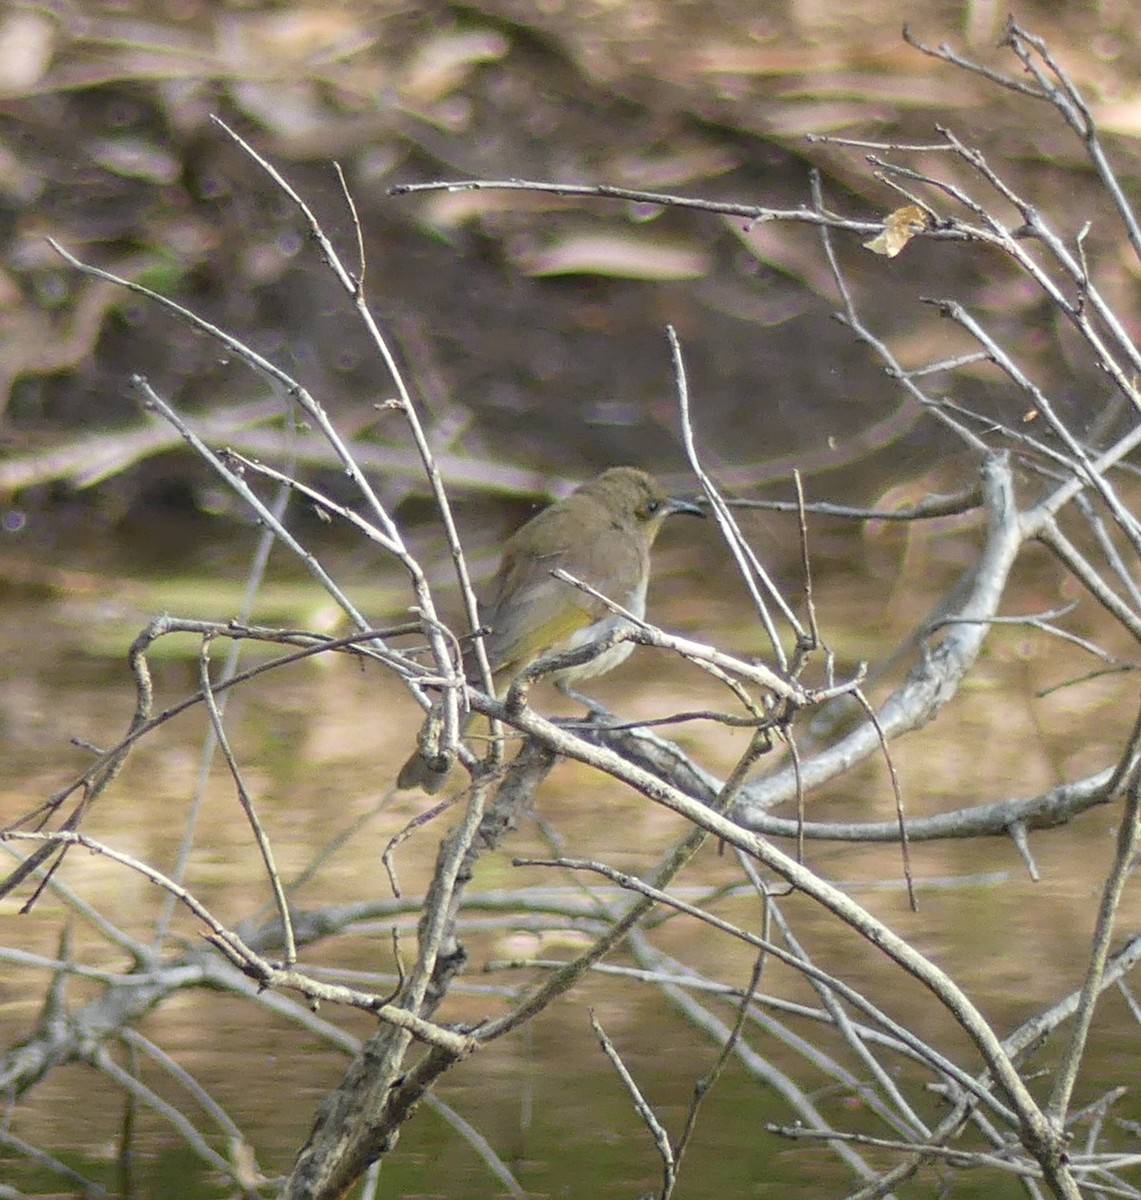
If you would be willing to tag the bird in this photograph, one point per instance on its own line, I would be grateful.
(601, 534)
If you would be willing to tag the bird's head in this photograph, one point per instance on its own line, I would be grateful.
(635, 497)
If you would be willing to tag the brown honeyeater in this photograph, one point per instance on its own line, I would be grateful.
(601, 534)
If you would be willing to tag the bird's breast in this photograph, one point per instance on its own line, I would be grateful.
(634, 602)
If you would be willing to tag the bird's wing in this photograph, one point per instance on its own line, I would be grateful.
(533, 612)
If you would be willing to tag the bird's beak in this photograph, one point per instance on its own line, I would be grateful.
(674, 505)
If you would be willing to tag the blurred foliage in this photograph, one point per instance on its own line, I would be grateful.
(530, 326)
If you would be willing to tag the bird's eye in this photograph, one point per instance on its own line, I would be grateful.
(652, 507)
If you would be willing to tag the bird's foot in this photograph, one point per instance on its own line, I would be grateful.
(598, 713)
